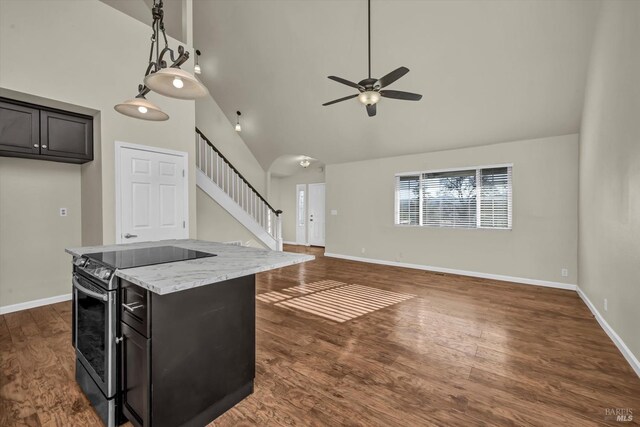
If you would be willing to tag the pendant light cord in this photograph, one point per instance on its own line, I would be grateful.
(369, 36)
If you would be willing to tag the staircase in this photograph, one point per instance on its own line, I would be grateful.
(217, 177)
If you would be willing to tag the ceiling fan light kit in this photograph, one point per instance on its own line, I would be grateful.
(167, 80)
(305, 163)
(370, 89)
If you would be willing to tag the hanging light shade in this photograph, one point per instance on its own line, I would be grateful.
(175, 83)
(238, 127)
(162, 76)
(140, 108)
(196, 68)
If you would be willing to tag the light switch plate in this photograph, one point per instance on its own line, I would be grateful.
(334, 212)
(63, 211)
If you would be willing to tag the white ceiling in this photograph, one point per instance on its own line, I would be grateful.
(289, 164)
(490, 71)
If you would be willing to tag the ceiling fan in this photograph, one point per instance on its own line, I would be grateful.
(370, 89)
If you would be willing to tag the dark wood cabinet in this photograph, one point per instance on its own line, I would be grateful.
(36, 132)
(63, 135)
(19, 128)
(197, 359)
(135, 379)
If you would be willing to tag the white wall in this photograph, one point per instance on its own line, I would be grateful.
(33, 235)
(216, 224)
(216, 127)
(544, 235)
(283, 197)
(91, 56)
(609, 247)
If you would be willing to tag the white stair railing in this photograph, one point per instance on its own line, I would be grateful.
(216, 169)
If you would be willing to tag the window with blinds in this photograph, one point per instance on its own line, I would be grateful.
(466, 198)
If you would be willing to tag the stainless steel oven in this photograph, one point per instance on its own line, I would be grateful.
(95, 328)
(95, 331)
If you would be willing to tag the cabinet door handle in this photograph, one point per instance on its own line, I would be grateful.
(129, 236)
(36, 145)
(132, 307)
(44, 146)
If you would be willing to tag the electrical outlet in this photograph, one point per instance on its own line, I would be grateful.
(564, 272)
(334, 211)
(363, 250)
(63, 211)
(605, 305)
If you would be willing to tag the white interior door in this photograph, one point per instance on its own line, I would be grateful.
(316, 214)
(301, 214)
(152, 197)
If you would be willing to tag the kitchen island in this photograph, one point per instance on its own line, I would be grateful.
(183, 332)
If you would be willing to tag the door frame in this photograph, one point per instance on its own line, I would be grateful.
(118, 147)
(305, 187)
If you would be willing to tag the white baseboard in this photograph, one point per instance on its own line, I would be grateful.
(626, 352)
(296, 244)
(522, 280)
(35, 303)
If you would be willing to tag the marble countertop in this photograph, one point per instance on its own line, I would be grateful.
(231, 262)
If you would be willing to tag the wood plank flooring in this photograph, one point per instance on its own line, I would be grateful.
(462, 352)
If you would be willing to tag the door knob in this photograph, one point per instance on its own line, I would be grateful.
(129, 236)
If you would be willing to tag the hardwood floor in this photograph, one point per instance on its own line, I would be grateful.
(460, 351)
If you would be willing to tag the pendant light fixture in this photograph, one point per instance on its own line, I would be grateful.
(159, 77)
(140, 108)
(238, 127)
(196, 68)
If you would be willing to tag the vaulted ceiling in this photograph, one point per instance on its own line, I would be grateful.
(490, 71)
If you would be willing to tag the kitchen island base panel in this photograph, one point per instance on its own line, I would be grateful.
(201, 346)
(219, 408)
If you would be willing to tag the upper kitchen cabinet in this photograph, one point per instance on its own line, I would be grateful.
(37, 132)
(19, 129)
(63, 135)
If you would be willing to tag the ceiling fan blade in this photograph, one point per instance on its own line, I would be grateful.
(371, 110)
(346, 82)
(339, 100)
(396, 94)
(392, 76)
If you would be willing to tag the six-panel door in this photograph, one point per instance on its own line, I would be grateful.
(152, 196)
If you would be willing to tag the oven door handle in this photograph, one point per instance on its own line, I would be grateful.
(78, 286)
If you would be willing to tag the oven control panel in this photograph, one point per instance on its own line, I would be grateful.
(94, 268)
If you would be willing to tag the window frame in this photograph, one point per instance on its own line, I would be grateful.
(478, 169)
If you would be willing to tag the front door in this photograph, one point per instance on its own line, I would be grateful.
(152, 199)
(301, 214)
(316, 214)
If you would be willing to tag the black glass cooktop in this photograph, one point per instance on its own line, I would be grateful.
(129, 258)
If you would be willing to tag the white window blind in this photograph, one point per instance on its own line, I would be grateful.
(466, 198)
(408, 199)
(495, 197)
(449, 199)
